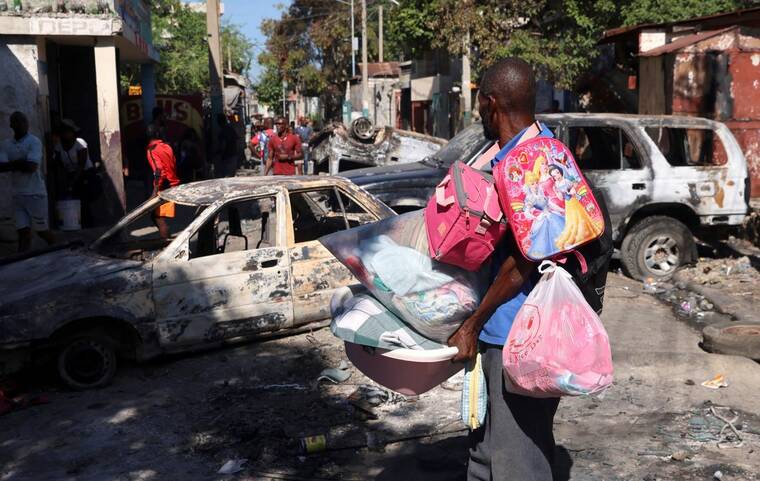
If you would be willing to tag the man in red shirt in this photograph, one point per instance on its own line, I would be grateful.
(161, 159)
(285, 148)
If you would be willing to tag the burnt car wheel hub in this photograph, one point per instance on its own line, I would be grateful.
(661, 255)
(86, 362)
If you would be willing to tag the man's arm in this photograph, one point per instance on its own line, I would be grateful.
(298, 153)
(514, 272)
(19, 166)
(269, 165)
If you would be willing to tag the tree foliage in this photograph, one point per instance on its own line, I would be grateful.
(179, 35)
(559, 37)
(659, 11)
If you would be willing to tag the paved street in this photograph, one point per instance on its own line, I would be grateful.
(183, 417)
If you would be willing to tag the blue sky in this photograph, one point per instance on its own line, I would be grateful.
(249, 14)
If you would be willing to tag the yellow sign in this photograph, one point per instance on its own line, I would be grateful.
(135, 90)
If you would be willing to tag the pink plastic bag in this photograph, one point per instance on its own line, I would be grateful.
(557, 345)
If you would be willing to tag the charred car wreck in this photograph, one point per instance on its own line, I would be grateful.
(664, 179)
(337, 149)
(242, 259)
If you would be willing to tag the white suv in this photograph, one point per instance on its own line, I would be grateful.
(663, 178)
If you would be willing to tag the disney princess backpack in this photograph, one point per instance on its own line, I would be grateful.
(546, 199)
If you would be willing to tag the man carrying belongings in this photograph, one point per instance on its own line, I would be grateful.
(515, 442)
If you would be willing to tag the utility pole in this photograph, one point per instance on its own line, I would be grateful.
(365, 83)
(215, 74)
(380, 32)
(284, 98)
(466, 92)
(229, 59)
(353, 43)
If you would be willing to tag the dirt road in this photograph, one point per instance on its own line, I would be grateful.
(182, 418)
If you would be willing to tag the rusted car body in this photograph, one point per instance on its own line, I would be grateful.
(242, 259)
(663, 178)
(335, 150)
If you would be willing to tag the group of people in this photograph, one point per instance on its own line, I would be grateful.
(74, 176)
(283, 150)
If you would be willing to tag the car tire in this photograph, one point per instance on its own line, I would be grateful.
(87, 361)
(656, 246)
(734, 337)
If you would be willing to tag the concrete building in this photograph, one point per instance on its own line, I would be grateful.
(61, 59)
(384, 92)
(707, 67)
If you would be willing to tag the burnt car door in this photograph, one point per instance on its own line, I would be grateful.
(315, 213)
(611, 157)
(230, 277)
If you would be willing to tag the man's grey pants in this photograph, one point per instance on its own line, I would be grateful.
(516, 442)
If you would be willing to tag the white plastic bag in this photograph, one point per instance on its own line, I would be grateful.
(391, 259)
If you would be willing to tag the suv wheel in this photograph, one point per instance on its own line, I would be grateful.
(87, 361)
(656, 247)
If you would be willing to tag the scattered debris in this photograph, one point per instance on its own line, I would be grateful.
(10, 403)
(717, 382)
(313, 444)
(232, 466)
(282, 386)
(680, 455)
(336, 375)
(738, 442)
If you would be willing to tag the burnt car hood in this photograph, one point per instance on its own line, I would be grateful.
(388, 172)
(57, 270)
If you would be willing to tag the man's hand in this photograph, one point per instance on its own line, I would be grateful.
(466, 340)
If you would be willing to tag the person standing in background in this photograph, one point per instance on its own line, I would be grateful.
(228, 148)
(260, 143)
(24, 155)
(284, 150)
(305, 132)
(164, 165)
(76, 173)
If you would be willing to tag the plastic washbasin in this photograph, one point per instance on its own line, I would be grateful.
(407, 371)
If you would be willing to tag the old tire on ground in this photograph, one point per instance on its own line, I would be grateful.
(735, 338)
(87, 361)
(657, 246)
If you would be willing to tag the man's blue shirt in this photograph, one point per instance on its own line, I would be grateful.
(496, 329)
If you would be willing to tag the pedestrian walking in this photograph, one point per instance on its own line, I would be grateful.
(260, 143)
(516, 441)
(285, 151)
(305, 132)
(164, 165)
(24, 161)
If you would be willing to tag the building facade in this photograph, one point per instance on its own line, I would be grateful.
(61, 60)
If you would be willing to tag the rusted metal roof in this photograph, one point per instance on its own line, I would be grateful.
(685, 42)
(748, 17)
(381, 69)
(206, 192)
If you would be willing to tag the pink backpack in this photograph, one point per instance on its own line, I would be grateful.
(464, 221)
(546, 199)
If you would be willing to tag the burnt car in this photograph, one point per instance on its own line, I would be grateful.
(664, 178)
(242, 259)
(337, 149)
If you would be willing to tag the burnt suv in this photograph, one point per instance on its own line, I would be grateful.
(664, 179)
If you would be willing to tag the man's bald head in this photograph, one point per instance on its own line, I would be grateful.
(507, 97)
(511, 82)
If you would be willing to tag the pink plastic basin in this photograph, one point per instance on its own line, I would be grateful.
(407, 371)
